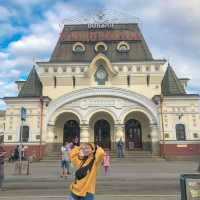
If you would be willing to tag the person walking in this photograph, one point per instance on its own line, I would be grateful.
(87, 160)
(64, 160)
(120, 148)
(106, 163)
(16, 153)
(2, 156)
(76, 141)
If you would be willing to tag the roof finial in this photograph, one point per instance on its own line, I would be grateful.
(33, 60)
(168, 62)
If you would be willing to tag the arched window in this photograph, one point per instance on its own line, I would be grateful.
(78, 47)
(180, 132)
(25, 133)
(123, 47)
(101, 47)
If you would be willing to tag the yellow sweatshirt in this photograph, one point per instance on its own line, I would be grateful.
(88, 183)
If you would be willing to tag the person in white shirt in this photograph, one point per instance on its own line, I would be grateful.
(65, 162)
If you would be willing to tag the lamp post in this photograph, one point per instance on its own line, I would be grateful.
(162, 124)
(23, 119)
(41, 127)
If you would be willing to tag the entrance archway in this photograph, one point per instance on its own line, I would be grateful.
(101, 127)
(67, 128)
(102, 133)
(71, 131)
(133, 134)
(137, 131)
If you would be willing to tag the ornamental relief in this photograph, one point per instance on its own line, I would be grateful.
(100, 102)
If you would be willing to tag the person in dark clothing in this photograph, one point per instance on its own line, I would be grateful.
(120, 148)
(11, 157)
(16, 153)
(76, 141)
(2, 156)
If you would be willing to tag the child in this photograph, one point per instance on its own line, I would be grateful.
(106, 163)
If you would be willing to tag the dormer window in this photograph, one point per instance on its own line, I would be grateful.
(101, 47)
(78, 47)
(123, 47)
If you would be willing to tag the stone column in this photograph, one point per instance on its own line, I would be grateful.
(84, 133)
(155, 139)
(118, 133)
(50, 133)
(50, 137)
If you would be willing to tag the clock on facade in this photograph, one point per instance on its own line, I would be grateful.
(101, 75)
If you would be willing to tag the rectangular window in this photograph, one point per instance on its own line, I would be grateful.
(74, 81)
(24, 130)
(46, 70)
(138, 68)
(37, 137)
(64, 69)
(180, 132)
(55, 81)
(9, 137)
(157, 68)
(148, 80)
(147, 68)
(128, 80)
(120, 69)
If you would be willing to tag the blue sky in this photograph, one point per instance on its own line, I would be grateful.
(30, 28)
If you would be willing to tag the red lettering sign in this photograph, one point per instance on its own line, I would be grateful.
(94, 36)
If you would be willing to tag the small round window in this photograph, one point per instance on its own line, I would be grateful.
(123, 47)
(101, 47)
(78, 47)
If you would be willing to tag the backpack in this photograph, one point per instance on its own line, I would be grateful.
(83, 171)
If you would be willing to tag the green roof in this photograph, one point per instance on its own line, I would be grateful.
(32, 86)
(171, 85)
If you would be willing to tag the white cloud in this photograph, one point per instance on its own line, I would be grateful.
(31, 45)
(171, 29)
(12, 74)
(38, 43)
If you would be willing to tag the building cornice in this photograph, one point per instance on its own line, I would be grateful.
(46, 63)
(26, 99)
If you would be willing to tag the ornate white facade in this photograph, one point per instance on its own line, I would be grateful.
(101, 91)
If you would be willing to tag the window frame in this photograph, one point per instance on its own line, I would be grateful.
(22, 134)
(180, 136)
(78, 44)
(123, 43)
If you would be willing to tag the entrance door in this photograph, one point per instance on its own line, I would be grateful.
(71, 131)
(133, 134)
(102, 133)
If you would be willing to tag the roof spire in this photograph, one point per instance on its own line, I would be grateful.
(171, 85)
(32, 86)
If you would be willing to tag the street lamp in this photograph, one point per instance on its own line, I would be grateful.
(23, 119)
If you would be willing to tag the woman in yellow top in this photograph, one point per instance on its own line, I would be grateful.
(87, 160)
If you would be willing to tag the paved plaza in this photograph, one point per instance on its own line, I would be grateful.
(137, 180)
